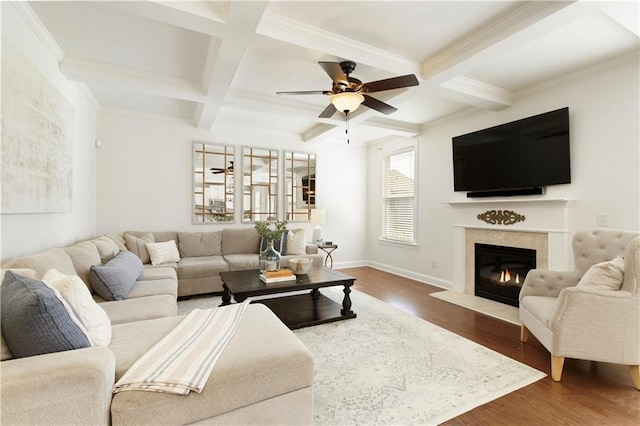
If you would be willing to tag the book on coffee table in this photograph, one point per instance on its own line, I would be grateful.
(277, 276)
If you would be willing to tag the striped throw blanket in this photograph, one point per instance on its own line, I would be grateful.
(182, 361)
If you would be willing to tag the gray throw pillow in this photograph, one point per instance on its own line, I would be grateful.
(115, 279)
(34, 320)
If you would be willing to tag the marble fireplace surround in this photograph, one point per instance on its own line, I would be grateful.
(546, 230)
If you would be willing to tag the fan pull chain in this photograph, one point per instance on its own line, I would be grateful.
(346, 131)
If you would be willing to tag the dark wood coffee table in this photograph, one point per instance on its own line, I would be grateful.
(298, 310)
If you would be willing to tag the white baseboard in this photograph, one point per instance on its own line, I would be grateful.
(426, 279)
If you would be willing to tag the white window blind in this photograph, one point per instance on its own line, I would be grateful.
(399, 196)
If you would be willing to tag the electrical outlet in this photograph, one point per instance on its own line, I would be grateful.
(602, 220)
(434, 264)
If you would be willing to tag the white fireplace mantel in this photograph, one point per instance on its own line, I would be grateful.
(548, 217)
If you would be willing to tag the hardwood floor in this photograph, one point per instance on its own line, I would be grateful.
(590, 393)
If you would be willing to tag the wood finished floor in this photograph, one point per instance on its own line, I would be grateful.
(590, 393)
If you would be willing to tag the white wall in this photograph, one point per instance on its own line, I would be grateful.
(605, 157)
(28, 233)
(145, 178)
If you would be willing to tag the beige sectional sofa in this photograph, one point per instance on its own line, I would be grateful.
(203, 255)
(264, 376)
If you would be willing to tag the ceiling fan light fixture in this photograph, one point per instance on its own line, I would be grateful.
(346, 101)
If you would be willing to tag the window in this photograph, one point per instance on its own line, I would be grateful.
(399, 201)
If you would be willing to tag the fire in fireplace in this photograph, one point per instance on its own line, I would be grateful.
(500, 271)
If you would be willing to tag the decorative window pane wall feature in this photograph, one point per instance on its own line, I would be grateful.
(399, 199)
(213, 177)
(259, 184)
(300, 185)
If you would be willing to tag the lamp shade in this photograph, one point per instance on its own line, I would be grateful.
(346, 101)
(318, 217)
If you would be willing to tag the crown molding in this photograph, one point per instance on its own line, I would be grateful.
(397, 128)
(479, 93)
(31, 19)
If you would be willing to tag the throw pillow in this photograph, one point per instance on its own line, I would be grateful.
(35, 320)
(605, 275)
(296, 242)
(107, 248)
(138, 246)
(115, 279)
(166, 252)
(93, 317)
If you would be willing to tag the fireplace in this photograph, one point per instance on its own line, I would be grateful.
(500, 271)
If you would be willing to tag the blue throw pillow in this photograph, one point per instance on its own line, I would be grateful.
(34, 320)
(115, 279)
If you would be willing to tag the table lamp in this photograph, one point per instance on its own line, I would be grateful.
(318, 218)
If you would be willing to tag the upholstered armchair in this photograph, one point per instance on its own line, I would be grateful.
(592, 312)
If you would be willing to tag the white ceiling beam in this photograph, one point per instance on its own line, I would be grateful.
(200, 17)
(519, 25)
(624, 14)
(270, 104)
(478, 93)
(298, 34)
(399, 128)
(223, 59)
(130, 80)
(317, 131)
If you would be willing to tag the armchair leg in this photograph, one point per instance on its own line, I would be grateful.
(557, 362)
(635, 375)
(524, 334)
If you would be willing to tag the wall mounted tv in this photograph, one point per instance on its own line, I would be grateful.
(517, 158)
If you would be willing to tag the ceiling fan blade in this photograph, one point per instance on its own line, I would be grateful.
(328, 111)
(306, 92)
(390, 83)
(335, 72)
(380, 106)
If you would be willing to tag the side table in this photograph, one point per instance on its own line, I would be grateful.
(328, 249)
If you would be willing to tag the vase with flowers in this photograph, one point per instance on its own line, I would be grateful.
(269, 259)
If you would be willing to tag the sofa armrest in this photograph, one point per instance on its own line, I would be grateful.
(311, 248)
(540, 282)
(71, 387)
(597, 324)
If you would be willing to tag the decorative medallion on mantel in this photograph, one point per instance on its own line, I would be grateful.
(501, 217)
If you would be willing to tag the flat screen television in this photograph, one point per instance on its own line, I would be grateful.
(521, 157)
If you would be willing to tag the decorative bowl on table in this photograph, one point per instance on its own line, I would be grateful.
(300, 265)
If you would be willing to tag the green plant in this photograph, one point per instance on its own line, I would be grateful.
(270, 233)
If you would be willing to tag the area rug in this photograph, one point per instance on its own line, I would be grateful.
(479, 304)
(388, 367)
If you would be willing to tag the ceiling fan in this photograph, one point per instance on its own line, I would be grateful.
(217, 170)
(347, 93)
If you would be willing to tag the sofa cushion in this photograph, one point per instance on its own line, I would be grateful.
(140, 308)
(107, 248)
(240, 241)
(165, 252)
(205, 266)
(604, 275)
(296, 244)
(196, 244)
(115, 279)
(118, 239)
(145, 288)
(160, 272)
(95, 320)
(83, 255)
(138, 245)
(35, 320)
(43, 261)
(241, 262)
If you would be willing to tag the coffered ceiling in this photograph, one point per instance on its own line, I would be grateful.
(217, 65)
